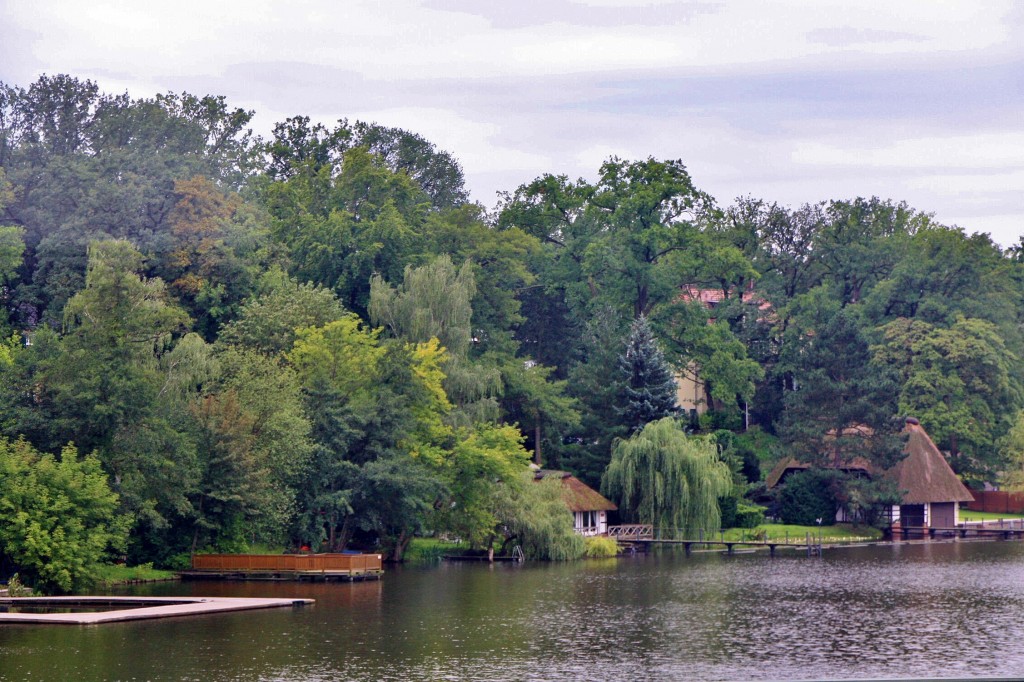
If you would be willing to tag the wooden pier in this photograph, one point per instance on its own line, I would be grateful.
(963, 531)
(643, 536)
(87, 610)
(285, 567)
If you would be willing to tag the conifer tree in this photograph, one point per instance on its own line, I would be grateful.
(650, 385)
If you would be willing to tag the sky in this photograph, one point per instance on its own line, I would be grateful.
(792, 102)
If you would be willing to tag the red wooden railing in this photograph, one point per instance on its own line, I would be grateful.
(352, 563)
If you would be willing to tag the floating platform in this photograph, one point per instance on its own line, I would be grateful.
(285, 567)
(99, 610)
(484, 558)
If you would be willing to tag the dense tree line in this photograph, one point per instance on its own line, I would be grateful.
(318, 340)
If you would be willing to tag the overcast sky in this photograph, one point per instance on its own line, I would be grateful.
(788, 101)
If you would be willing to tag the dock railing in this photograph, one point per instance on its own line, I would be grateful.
(327, 563)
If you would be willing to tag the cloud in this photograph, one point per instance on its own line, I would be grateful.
(1004, 149)
(792, 101)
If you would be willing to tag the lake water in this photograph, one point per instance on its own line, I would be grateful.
(928, 610)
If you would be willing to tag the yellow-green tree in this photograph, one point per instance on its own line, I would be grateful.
(58, 517)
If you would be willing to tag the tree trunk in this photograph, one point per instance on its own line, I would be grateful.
(536, 443)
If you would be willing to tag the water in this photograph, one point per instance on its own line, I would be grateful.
(939, 610)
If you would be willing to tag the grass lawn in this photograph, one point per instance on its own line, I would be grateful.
(119, 574)
(841, 532)
(968, 515)
(431, 549)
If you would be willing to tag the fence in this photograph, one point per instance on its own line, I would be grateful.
(997, 502)
(352, 563)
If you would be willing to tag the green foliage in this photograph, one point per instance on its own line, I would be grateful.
(749, 516)
(533, 514)
(247, 397)
(838, 391)
(958, 382)
(599, 547)
(269, 321)
(809, 498)
(109, 575)
(650, 387)
(58, 517)
(426, 550)
(663, 477)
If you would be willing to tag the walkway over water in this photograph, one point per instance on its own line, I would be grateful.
(643, 535)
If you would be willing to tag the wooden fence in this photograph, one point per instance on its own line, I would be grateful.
(997, 502)
(351, 563)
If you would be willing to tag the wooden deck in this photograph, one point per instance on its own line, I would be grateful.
(285, 567)
(132, 608)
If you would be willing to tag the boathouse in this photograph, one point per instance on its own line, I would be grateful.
(589, 507)
(932, 493)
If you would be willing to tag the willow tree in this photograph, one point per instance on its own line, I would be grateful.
(665, 478)
(435, 301)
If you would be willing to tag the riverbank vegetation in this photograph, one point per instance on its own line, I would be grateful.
(210, 340)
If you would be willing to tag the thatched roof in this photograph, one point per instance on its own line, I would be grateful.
(578, 496)
(788, 465)
(924, 476)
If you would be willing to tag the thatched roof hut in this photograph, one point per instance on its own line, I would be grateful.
(589, 507)
(578, 496)
(923, 475)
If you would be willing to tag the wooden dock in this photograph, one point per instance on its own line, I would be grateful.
(963, 531)
(285, 567)
(76, 610)
(642, 535)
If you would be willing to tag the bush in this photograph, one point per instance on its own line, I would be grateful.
(600, 547)
(58, 517)
(808, 496)
(728, 506)
(749, 516)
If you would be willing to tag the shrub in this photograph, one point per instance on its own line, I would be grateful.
(599, 546)
(58, 517)
(728, 506)
(749, 516)
(808, 496)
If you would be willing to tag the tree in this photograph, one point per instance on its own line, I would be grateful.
(533, 514)
(630, 241)
(840, 405)
(589, 449)
(268, 321)
(650, 386)
(58, 517)
(663, 477)
(958, 382)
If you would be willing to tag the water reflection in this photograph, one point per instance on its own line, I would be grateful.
(904, 611)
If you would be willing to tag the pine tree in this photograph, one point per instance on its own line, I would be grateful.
(650, 384)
